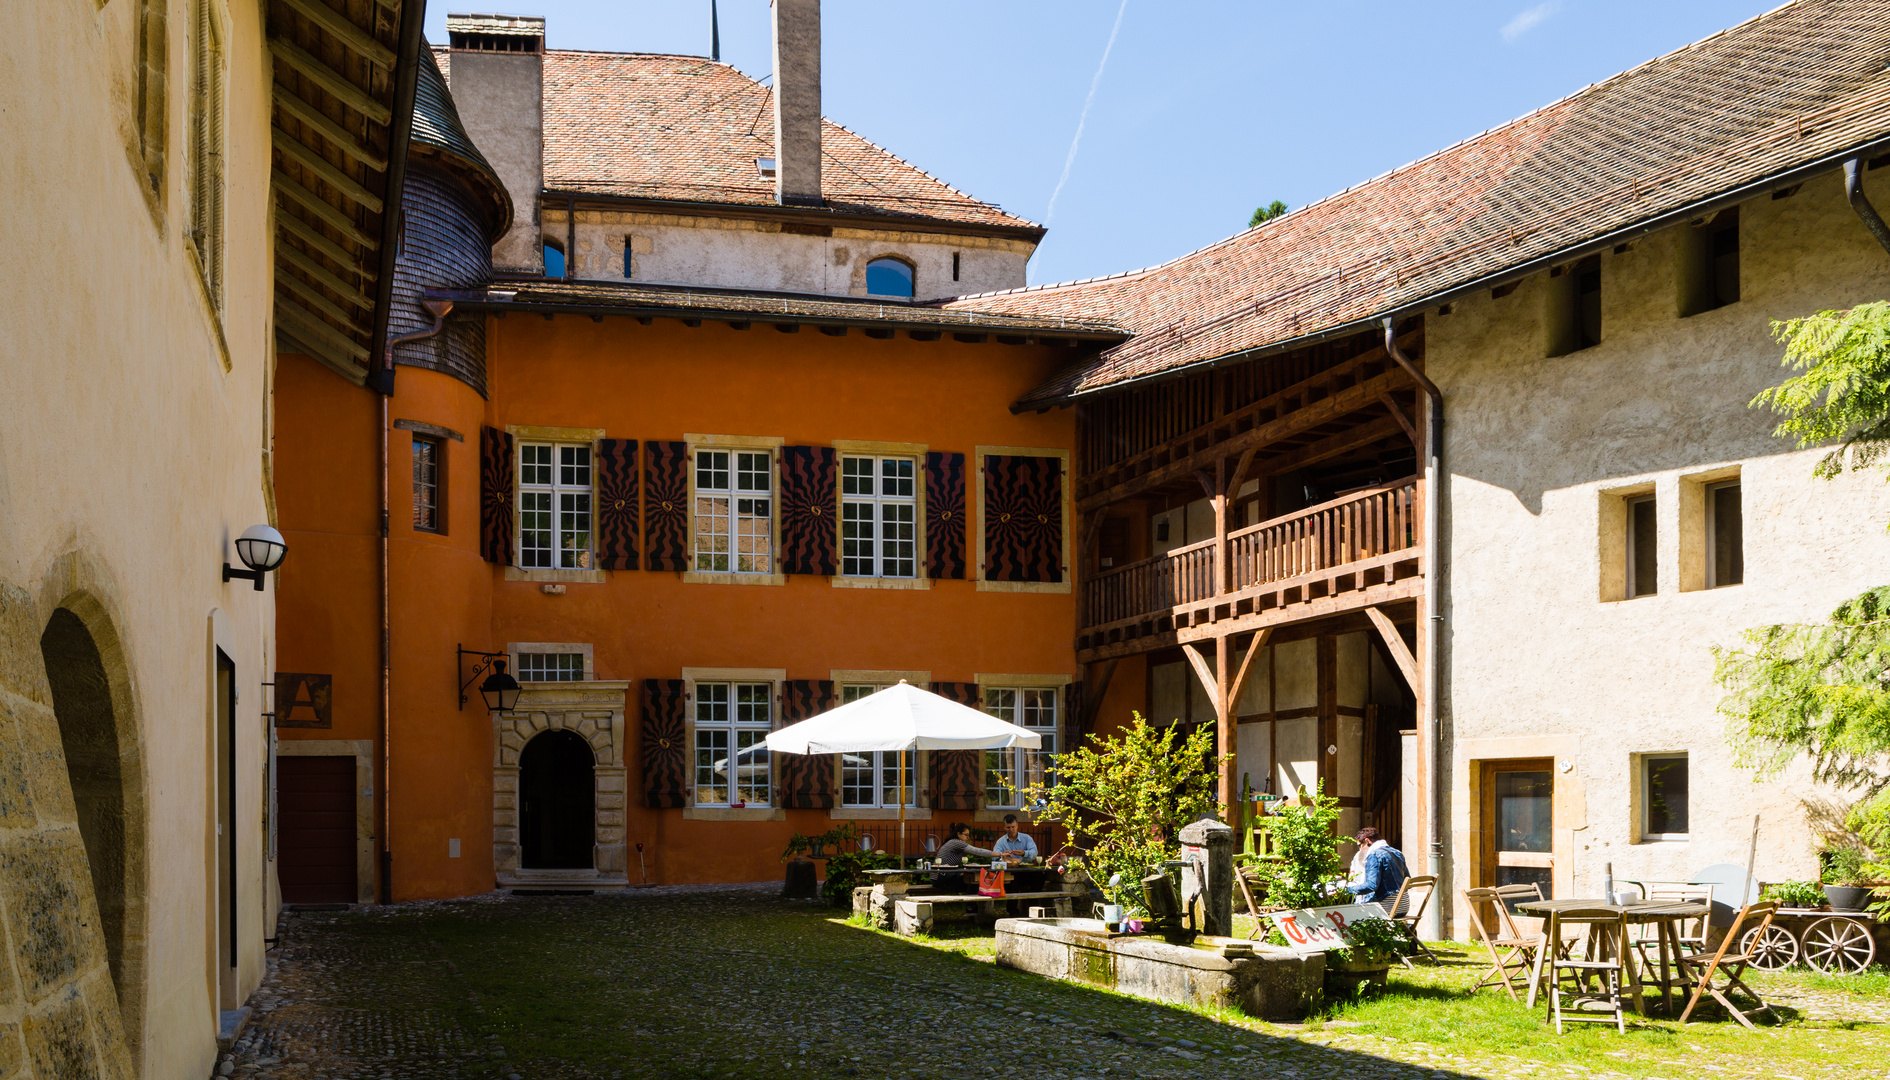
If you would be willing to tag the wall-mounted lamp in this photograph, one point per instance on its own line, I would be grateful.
(499, 689)
(261, 548)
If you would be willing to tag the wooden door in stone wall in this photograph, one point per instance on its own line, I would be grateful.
(557, 803)
(315, 829)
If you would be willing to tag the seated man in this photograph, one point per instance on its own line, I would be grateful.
(1014, 845)
(1384, 870)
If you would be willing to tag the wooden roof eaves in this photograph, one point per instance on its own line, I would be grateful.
(400, 134)
(1567, 253)
(592, 200)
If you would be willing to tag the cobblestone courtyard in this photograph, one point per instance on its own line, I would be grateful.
(733, 982)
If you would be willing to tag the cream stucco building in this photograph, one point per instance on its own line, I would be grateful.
(135, 752)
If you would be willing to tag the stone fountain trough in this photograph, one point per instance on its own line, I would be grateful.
(1259, 980)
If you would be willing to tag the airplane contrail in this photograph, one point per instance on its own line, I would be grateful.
(1084, 118)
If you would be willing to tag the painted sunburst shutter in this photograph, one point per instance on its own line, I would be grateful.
(1071, 734)
(944, 515)
(805, 781)
(957, 775)
(808, 508)
(495, 495)
(619, 504)
(1023, 518)
(665, 758)
(667, 512)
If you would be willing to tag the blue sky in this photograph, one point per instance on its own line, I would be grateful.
(1204, 110)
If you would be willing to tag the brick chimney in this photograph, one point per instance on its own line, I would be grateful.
(498, 82)
(797, 102)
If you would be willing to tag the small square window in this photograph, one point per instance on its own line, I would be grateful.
(1664, 797)
(550, 667)
(429, 458)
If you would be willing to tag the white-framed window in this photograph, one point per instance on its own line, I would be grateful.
(554, 506)
(734, 511)
(732, 721)
(1663, 797)
(550, 667)
(1009, 774)
(871, 779)
(879, 532)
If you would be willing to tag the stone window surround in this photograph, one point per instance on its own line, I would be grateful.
(362, 750)
(541, 433)
(695, 441)
(1019, 682)
(595, 711)
(692, 675)
(871, 448)
(514, 648)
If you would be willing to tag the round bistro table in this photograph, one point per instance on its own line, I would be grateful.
(1664, 915)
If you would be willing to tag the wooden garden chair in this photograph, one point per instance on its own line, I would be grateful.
(1242, 875)
(1604, 965)
(1729, 963)
(1518, 955)
(1414, 890)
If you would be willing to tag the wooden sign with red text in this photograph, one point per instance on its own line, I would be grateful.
(1311, 930)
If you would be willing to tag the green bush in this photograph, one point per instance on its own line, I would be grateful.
(1373, 939)
(1795, 893)
(1304, 849)
(846, 871)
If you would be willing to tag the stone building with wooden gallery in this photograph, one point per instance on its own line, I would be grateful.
(1440, 491)
(234, 159)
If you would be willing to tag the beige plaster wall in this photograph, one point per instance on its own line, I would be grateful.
(738, 253)
(132, 453)
(1539, 663)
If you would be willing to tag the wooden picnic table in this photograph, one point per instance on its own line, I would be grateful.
(1664, 915)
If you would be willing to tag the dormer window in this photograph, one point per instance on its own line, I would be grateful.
(765, 167)
(889, 277)
(554, 260)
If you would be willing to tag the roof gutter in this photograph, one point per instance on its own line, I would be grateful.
(1854, 191)
(399, 134)
(843, 219)
(1710, 205)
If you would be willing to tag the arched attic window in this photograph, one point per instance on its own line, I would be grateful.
(889, 277)
(554, 259)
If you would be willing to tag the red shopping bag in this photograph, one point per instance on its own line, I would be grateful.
(991, 882)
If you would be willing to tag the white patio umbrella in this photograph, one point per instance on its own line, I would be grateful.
(900, 718)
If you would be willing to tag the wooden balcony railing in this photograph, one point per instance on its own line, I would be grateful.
(1359, 528)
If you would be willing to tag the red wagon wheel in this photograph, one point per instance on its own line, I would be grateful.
(1839, 946)
(1775, 951)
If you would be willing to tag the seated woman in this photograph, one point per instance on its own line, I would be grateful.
(953, 851)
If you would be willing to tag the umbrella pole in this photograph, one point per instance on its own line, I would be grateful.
(902, 809)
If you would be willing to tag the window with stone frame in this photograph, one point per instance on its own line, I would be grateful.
(734, 511)
(1010, 774)
(871, 779)
(550, 667)
(554, 506)
(429, 459)
(732, 767)
(879, 532)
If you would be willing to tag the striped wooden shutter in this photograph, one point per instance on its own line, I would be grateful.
(957, 775)
(668, 512)
(495, 495)
(665, 759)
(805, 781)
(944, 515)
(619, 504)
(1023, 518)
(808, 508)
(1070, 730)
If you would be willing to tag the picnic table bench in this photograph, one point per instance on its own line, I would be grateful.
(904, 904)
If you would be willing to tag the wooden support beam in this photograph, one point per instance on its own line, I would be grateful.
(309, 328)
(1239, 475)
(321, 208)
(288, 341)
(1200, 665)
(1332, 446)
(330, 80)
(313, 237)
(349, 187)
(1394, 644)
(1325, 411)
(344, 30)
(1235, 688)
(314, 298)
(1210, 485)
(1096, 679)
(338, 136)
(322, 277)
(1224, 721)
(1404, 421)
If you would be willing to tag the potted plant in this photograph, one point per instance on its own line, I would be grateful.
(1795, 894)
(1846, 877)
(1370, 947)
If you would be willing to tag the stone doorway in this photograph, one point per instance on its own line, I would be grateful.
(590, 714)
(556, 779)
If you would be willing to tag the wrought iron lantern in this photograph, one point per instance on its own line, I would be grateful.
(499, 689)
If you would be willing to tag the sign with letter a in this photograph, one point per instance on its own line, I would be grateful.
(304, 700)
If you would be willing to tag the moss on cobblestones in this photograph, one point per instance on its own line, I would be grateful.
(733, 982)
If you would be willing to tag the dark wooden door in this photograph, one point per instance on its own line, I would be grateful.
(556, 787)
(315, 838)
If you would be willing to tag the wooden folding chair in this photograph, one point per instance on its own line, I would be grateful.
(1519, 959)
(1241, 874)
(1406, 918)
(1730, 962)
(1605, 964)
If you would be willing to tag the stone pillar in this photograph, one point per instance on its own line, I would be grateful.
(1210, 844)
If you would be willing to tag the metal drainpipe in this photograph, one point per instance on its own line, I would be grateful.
(1854, 191)
(439, 309)
(1432, 660)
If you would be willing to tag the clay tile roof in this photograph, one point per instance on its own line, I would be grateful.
(1790, 89)
(684, 128)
